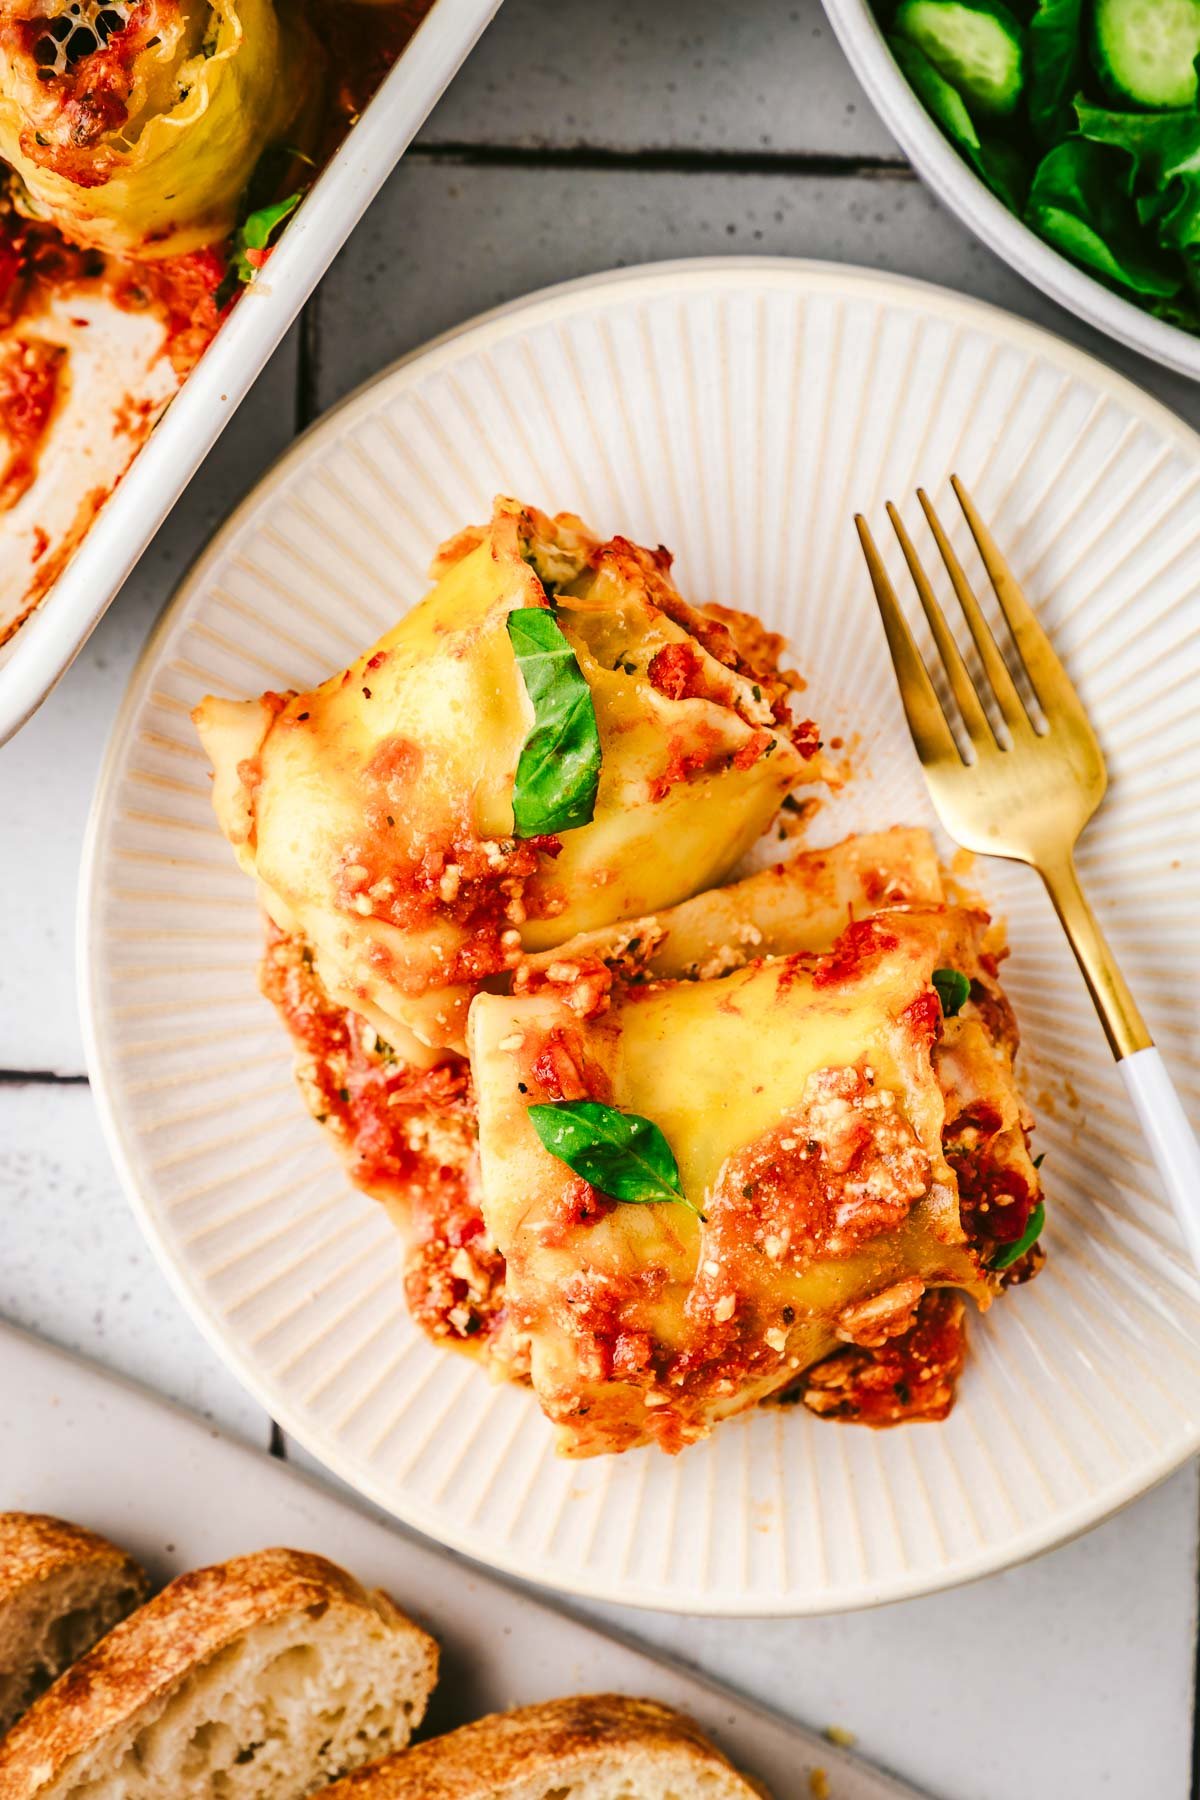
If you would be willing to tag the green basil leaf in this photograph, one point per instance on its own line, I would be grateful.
(619, 1153)
(256, 232)
(1008, 1254)
(559, 769)
(259, 228)
(953, 990)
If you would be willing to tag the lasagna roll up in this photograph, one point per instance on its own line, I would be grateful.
(881, 1341)
(135, 125)
(402, 816)
(824, 1116)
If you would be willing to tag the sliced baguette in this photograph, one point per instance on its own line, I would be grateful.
(61, 1588)
(259, 1679)
(594, 1747)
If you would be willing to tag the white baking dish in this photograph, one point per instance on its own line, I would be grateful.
(44, 647)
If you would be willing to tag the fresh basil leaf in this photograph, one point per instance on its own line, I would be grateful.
(255, 234)
(1008, 1254)
(1080, 203)
(1055, 60)
(257, 231)
(619, 1153)
(953, 990)
(559, 769)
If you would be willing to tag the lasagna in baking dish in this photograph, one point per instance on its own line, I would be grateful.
(661, 1143)
(150, 153)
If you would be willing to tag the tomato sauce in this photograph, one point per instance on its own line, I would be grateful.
(861, 941)
(676, 671)
(31, 373)
(905, 1380)
(407, 1137)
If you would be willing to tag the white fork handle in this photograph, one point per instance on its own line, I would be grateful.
(1171, 1139)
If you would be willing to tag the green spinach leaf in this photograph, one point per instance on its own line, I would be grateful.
(1055, 61)
(1080, 202)
(1164, 152)
(558, 774)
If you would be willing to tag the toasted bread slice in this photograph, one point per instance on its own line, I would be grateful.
(594, 1747)
(61, 1588)
(259, 1679)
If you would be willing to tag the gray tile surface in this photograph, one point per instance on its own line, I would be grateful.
(75, 1267)
(694, 75)
(1065, 1680)
(446, 241)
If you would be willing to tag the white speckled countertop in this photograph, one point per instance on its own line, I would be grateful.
(581, 136)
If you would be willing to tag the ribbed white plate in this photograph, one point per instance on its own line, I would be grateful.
(739, 412)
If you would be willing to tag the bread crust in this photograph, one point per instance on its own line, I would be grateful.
(147, 1654)
(558, 1739)
(35, 1545)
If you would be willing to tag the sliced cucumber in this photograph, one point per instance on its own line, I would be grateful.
(944, 102)
(978, 48)
(1000, 165)
(1146, 50)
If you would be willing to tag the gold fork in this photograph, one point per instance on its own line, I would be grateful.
(1026, 794)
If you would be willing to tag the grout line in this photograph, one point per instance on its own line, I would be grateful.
(664, 161)
(308, 363)
(39, 1078)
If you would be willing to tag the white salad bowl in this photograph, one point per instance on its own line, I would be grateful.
(954, 181)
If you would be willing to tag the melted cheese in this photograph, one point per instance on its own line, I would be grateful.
(802, 904)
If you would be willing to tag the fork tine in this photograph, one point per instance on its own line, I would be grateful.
(1047, 677)
(974, 717)
(931, 734)
(1009, 701)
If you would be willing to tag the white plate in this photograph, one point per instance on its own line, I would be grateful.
(971, 200)
(738, 411)
(62, 1417)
